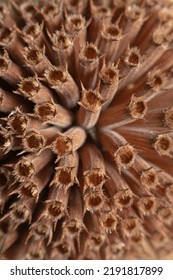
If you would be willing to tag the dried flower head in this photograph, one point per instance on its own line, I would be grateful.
(86, 129)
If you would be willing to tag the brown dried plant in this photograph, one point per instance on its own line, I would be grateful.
(86, 129)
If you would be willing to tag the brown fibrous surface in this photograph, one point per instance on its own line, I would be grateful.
(86, 129)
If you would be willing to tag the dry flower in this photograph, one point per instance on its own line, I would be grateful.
(86, 129)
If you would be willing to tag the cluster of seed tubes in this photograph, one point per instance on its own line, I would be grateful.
(86, 129)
